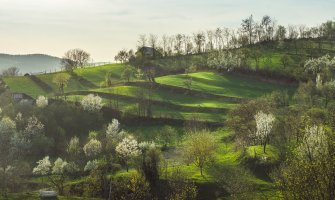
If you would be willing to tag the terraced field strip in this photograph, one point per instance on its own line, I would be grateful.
(157, 94)
(96, 75)
(184, 91)
(24, 84)
(73, 85)
(160, 112)
(153, 102)
(224, 85)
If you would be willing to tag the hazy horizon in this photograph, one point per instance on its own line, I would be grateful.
(102, 27)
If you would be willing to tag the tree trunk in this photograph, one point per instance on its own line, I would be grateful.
(264, 147)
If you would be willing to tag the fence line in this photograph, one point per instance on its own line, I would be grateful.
(60, 68)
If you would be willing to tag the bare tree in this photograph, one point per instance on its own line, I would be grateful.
(199, 40)
(75, 58)
(178, 43)
(248, 26)
(217, 38)
(226, 35)
(210, 37)
(280, 33)
(11, 71)
(293, 35)
(188, 46)
(171, 41)
(266, 23)
(259, 32)
(302, 30)
(165, 41)
(153, 43)
(122, 56)
(142, 41)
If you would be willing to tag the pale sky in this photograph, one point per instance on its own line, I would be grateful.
(102, 27)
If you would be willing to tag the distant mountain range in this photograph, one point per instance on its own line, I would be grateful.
(31, 63)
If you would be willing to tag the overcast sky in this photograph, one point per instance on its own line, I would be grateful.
(102, 27)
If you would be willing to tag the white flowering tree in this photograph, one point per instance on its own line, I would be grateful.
(43, 167)
(223, 61)
(93, 148)
(92, 103)
(33, 128)
(57, 170)
(314, 142)
(320, 66)
(264, 124)
(127, 149)
(114, 134)
(73, 147)
(91, 165)
(41, 101)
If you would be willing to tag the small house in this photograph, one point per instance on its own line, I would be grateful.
(149, 52)
(18, 97)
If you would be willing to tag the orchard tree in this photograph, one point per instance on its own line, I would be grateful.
(224, 60)
(33, 128)
(92, 103)
(7, 132)
(91, 165)
(114, 135)
(127, 73)
(314, 143)
(323, 66)
(61, 80)
(56, 173)
(264, 124)
(93, 148)
(167, 135)
(43, 167)
(285, 60)
(309, 171)
(150, 162)
(74, 150)
(41, 101)
(127, 149)
(200, 148)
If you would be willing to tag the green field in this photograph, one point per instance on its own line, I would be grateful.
(164, 96)
(96, 75)
(130, 106)
(81, 79)
(88, 80)
(24, 84)
(224, 85)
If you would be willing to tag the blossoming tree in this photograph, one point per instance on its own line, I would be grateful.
(264, 124)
